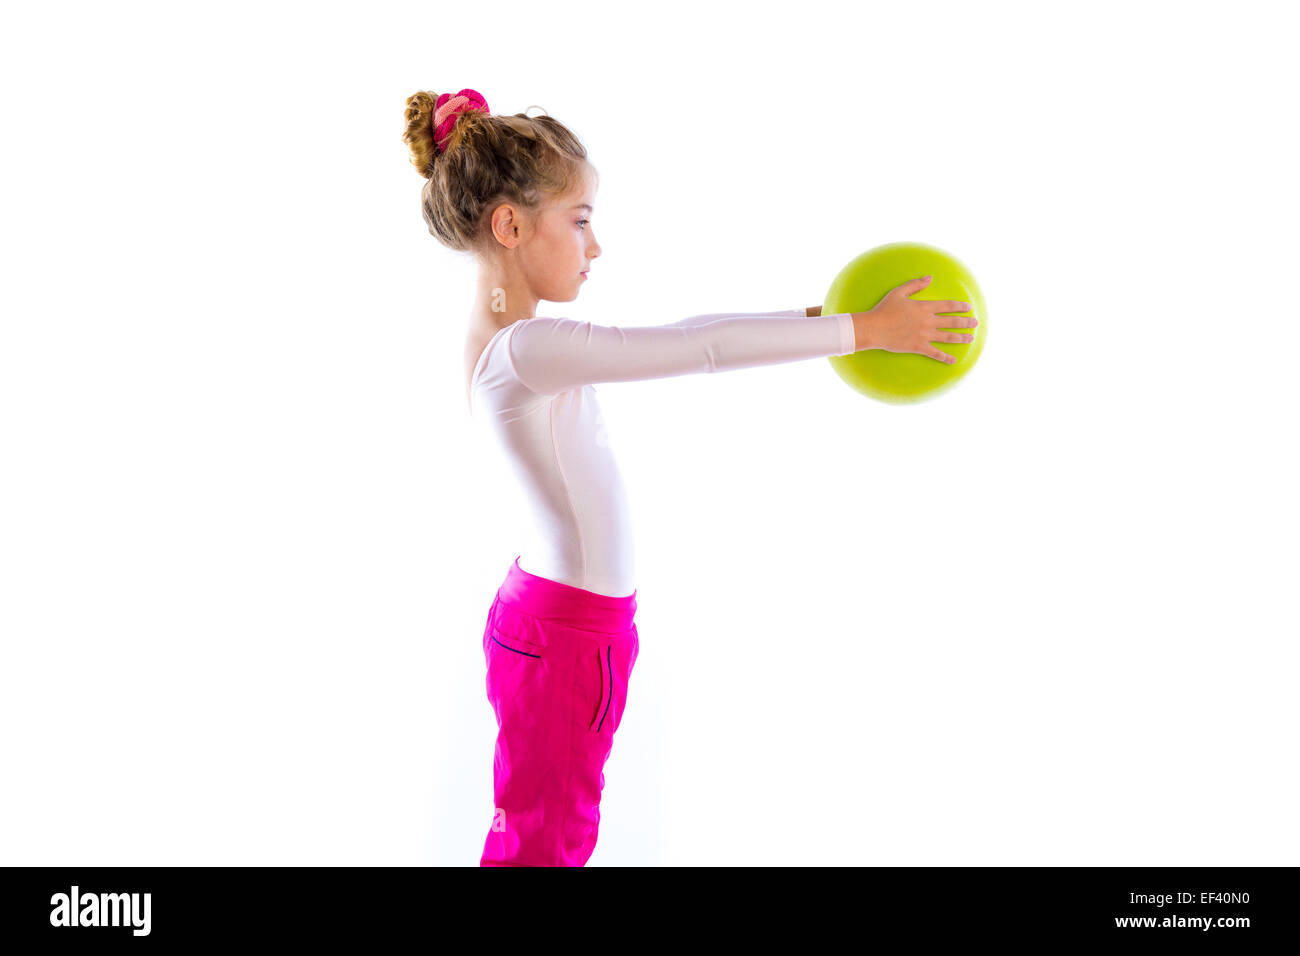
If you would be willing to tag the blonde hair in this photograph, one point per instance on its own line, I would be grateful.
(487, 160)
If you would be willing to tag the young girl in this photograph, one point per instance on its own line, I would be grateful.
(560, 642)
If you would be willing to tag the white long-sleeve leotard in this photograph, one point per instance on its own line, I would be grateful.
(533, 386)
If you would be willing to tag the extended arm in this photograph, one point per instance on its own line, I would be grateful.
(703, 319)
(552, 355)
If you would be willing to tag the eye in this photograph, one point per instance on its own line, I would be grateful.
(583, 222)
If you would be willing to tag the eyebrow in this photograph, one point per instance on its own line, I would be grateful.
(584, 206)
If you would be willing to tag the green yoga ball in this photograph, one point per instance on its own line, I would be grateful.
(906, 377)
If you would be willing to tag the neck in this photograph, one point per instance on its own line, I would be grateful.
(501, 299)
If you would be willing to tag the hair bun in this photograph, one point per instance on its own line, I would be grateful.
(418, 134)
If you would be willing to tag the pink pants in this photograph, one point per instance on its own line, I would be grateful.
(558, 663)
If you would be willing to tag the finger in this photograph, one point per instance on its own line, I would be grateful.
(950, 305)
(913, 286)
(960, 322)
(941, 356)
(954, 337)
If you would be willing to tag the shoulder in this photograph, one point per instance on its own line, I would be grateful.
(496, 377)
(540, 331)
(544, 322)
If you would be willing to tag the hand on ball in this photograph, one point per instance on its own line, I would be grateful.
(903, 324)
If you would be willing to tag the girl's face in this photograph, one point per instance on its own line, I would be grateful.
(563, 243)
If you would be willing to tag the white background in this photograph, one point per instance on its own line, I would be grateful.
(250, 534)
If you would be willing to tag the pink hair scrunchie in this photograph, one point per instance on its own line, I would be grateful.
(448, 107)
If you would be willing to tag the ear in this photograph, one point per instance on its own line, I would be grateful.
(505, 226)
